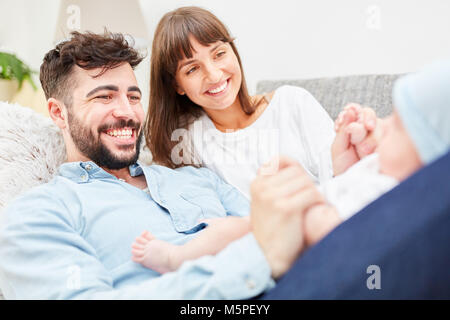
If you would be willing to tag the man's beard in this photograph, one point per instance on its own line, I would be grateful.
(95, 150)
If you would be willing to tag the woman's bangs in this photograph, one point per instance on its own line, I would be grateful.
(205, 32)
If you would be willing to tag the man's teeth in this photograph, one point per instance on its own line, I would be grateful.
(121, 134)
(219, 89)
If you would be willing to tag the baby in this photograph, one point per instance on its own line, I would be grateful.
(417, 133)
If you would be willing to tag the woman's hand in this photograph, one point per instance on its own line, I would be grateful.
(279, 201)
(358, 132)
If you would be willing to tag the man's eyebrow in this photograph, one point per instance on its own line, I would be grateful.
(134, 88)
(193, 60)
(107, 87)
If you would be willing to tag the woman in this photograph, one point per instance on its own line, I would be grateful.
(201, 114)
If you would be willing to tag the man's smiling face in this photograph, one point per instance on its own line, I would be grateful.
(105, 117)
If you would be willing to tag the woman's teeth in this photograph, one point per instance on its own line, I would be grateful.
(219, 89)
(121, 134)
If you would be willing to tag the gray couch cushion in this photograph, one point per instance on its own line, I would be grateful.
(334, 93)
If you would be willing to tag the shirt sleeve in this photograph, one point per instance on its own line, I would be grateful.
(317, 132)
(44, 256)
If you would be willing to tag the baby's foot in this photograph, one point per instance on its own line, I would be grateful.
(351, 113)
(353, 118)
(153, 253)
(357, 132)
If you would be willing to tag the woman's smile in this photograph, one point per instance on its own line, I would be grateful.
(218, 89)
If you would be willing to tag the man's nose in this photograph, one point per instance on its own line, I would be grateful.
(123, 108)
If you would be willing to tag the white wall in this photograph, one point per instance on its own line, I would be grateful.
(27, 28)
(290, 39)
(280, 39)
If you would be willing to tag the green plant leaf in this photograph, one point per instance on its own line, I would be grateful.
(14, 68)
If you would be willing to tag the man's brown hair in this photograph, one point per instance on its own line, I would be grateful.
(88, 51)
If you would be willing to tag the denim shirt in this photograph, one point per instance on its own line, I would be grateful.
(71, 237)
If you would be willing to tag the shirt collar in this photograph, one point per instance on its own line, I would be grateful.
(81, 172)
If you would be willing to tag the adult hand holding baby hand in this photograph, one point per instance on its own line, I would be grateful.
(358, 132)
(278, 203)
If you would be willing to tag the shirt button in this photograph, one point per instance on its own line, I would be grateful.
(84, 177)
(88, 167)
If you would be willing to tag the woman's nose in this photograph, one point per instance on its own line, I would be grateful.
(213, 73)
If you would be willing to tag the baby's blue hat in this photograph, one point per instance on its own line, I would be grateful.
(422, 100)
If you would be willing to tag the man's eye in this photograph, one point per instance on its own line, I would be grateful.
(105, 97)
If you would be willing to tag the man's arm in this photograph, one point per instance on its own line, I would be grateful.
(43, 256)
(279, 203)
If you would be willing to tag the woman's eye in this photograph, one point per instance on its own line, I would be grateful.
(191, 70)
(220, 53)
(135, 98)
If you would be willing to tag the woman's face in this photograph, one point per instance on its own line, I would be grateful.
(212, 77)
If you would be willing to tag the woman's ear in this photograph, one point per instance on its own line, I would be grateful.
(178, 89)
(56, 112)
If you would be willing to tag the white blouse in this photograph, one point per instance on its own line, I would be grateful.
(294, 124)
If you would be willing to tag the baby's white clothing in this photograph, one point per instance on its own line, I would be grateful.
(294, 124)
(357, 187)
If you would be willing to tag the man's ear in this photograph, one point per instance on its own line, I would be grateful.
(56, 112)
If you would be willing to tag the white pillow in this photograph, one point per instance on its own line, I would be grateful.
(31, 149)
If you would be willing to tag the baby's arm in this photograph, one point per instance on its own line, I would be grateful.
(163, 257)
(319, 221)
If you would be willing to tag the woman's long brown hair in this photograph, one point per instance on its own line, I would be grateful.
(168, 110)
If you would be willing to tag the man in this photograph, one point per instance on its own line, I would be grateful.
(71, 238)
